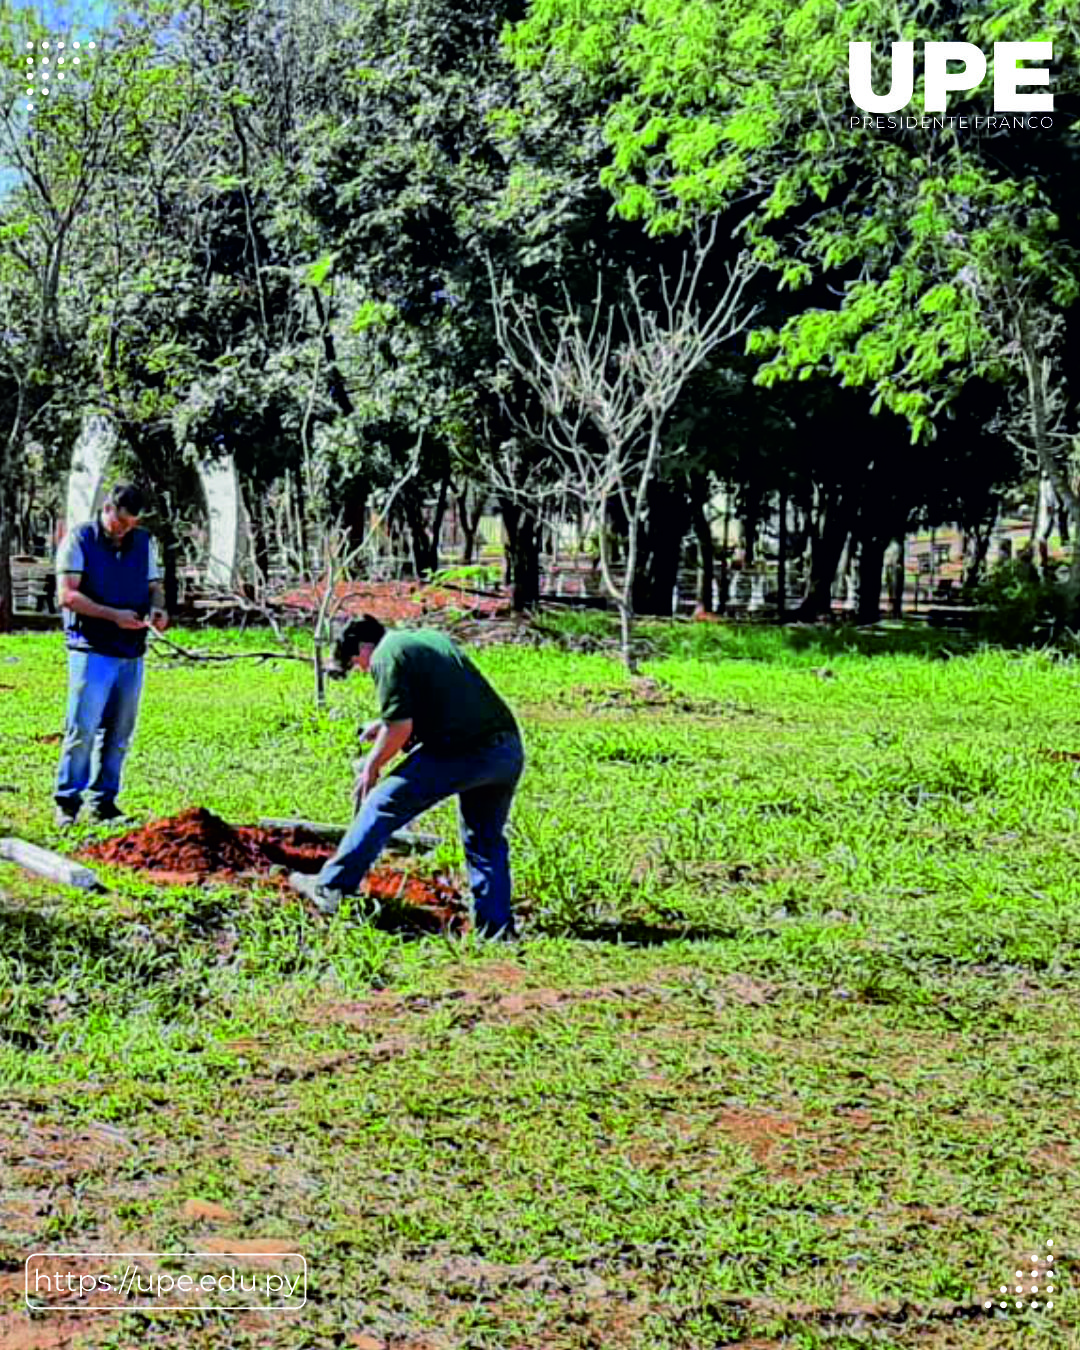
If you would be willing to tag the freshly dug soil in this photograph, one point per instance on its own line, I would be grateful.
(198, 846)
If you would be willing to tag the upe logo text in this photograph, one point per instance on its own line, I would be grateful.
(940, 80)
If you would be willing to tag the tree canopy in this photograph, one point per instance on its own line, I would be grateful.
(268, 228)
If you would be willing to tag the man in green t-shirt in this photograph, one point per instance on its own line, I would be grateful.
(465, 743)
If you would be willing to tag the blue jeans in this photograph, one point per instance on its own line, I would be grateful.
(103, 701)
(484, 783)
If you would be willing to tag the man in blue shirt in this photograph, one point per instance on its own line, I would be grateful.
(109, 586)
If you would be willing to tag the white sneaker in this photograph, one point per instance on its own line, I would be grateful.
(325, 900)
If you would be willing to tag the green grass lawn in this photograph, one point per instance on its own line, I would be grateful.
(788, 1057)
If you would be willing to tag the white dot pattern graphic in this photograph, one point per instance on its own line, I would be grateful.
(45, 70)
(1042, 1269)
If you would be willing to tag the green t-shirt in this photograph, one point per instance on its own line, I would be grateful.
(423, 676)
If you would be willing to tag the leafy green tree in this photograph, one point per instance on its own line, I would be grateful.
(895, 249)
(61, 154)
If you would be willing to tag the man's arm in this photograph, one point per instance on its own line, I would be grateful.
(390, 739)
(71, 597)
(159, 615)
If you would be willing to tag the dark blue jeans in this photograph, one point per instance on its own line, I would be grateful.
(484, 783)
(103, 701)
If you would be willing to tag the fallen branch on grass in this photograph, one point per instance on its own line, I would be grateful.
(177, 650)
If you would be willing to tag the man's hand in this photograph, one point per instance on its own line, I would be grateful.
(127, 618)
(389, 740)
(366, 779)
(369, 732)
(159, 619)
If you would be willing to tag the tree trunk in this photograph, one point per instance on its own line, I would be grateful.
(613, 519)
(400, 545)
(437, 522)
(781, 561)
(621, 595)
(550, 534)
(425, 555)
(7, 601)
(355, 512)
(301, 521)
(750, 528)
(509, 520)
(725, 560)
(260, 542)
(659, 548)
(626, 648)
(699, 496)
(1043, 510)
(170, 571)
(320, 676)
(871, 562)
(640, 587)
(977, 563)
(827, 545)
(526, 566)
(25, 527)
(1048, 466)
(899, 579)
(468, 544)
(522, 554)
(336, 385)
(10, 455)
(469, 521)
(281, 518)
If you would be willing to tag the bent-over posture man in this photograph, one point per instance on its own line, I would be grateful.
(467, 743)
(108, 585)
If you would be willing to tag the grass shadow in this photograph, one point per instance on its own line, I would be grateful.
(770, 642)
(639, 933)
(782, 644)
(42, 944)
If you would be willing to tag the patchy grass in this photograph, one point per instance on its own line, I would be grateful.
(788, 1059)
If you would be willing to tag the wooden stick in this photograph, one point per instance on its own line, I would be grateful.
(325, 831)
(48, 864)
(402, 841)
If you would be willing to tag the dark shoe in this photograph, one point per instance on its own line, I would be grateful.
(325, 900)
(67, 813)
(106, 813)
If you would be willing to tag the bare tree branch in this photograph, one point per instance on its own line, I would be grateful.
(604, 384)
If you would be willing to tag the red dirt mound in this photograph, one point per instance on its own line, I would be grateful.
(197, 846)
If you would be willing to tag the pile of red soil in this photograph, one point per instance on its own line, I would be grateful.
(198, 846)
